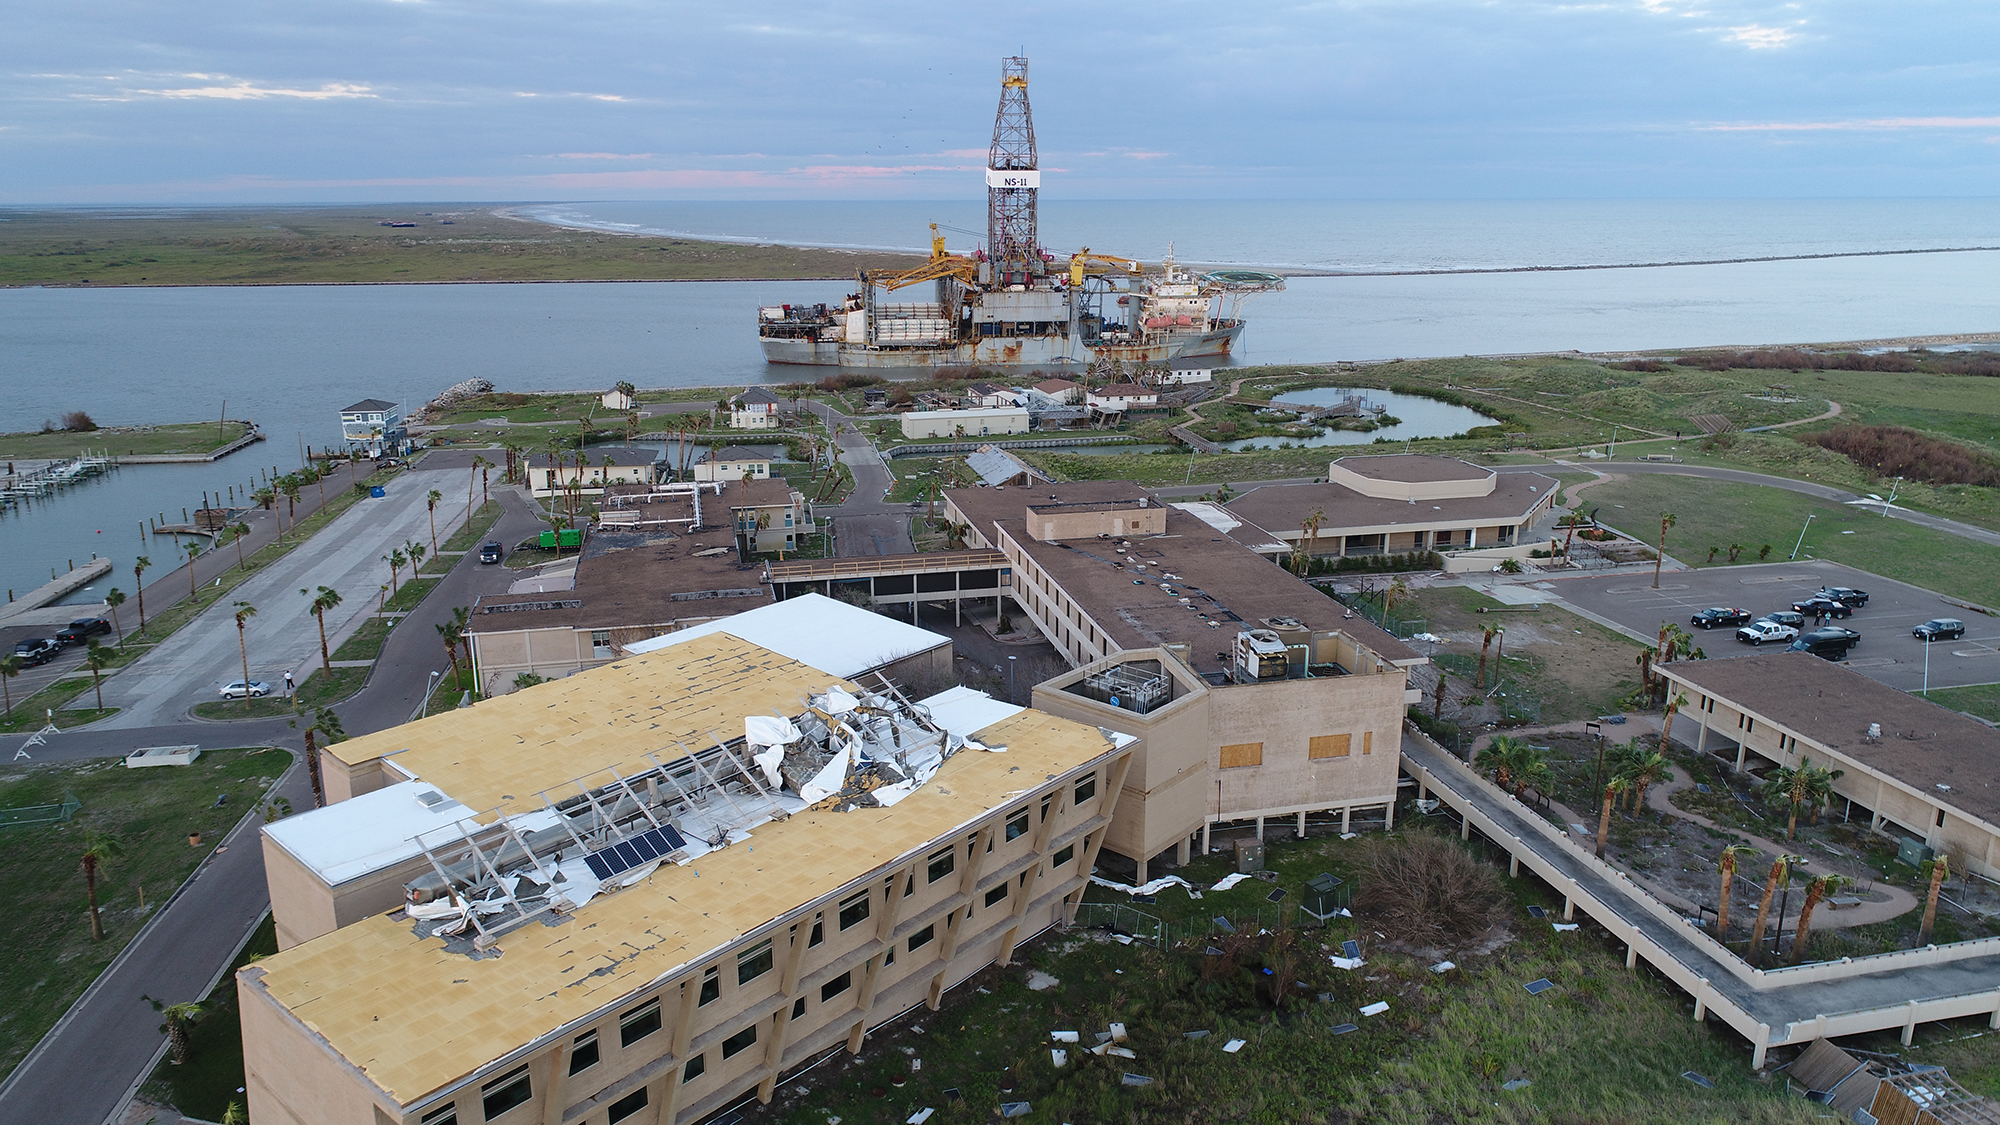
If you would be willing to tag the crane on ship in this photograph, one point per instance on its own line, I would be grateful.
(1079, 265)
(942, 263)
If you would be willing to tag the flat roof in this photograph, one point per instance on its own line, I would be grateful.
(1225, 582)
(417, 1018)
(823, 632)
(966, 411)
(734, 453)
(595, 456)
(1923, 745)
(349, 839)
(1124, 390)
(1281, 509)
(628, 579)
(1413, 468)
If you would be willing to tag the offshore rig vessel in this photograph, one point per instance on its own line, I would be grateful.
(1012, 303)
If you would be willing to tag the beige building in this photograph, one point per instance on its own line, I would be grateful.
(601, 468)
(1399, 503)
(1276, 703)
(732, 463)
(638, 925)
(1910, 765)
(1120, 397)
(756, 409)
(976, 422)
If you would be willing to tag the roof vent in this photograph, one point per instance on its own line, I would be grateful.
(430, 798)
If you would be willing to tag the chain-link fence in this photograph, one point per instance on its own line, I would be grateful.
(1516, 705)
(41, 814)
(1161, 933)
(1369, 605)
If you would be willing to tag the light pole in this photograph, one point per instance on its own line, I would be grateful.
(1927, 667)
(1802, 537)
(1011, 659)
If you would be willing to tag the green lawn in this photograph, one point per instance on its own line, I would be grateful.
(315, 691)
(32, 713)
(1719, 513)
(915, 475)
(173, 437)
(204, 1086)
(46, 955)
(1607, 1045)
(1982, 700)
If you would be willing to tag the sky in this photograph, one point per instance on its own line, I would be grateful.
(232, 101)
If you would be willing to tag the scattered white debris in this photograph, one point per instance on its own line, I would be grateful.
(1376, 1009)
(1059, 1057)
(1152, 888)
(1348, 963)
(1444, 967)
(1064, 1036)
(1229, 881)
(1565, 927)
(1349, 835)
(1118, 1033)
(1121, 1053)
(1039, 981)
(921, 1116)
(1233, 1046)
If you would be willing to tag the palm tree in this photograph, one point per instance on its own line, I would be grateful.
(112, 601)
(193, 549)
(139, 566)
(1666, 521)
(1397, 588)
(239, 533)
(431, 501)
(324, 724)
(448, 633)
(100, 850)
(97, 658)
(1674, 705)
(178, 1017)
(1485, 642)
(244, 612)
(1648, 769)
(1815, 891)
(1940, 871)
(1793, 786)
(1500, 757)
(1612, 789)
(1727, 864)
(1315, 520)
(1781, 872)
(326, 599)
(416, 553)
(10, 666)
(395, 559)
(1437, 701)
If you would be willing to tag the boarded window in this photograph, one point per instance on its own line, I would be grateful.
(1242, 754)
(1367, 742)
(1328, 746)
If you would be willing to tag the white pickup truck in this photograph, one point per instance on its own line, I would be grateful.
(1757, 632)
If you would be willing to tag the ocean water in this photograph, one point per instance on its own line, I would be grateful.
(291, 357)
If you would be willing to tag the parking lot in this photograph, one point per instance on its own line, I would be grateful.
(1886, 652)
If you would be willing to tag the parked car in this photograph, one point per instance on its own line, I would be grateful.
(489, 552)
(1827, 644)
(1819, 605)
(1939, 629)
(1790, 617)
(37, 650)
(1846, 595)
(77, 632)
(1757, 632)
(237, 689)
(1853, 638)
(1719, 615)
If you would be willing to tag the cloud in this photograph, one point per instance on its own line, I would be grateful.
(1874, 124)
(606, 155)
(241, 89)
(1757, 37)
(1147, 155)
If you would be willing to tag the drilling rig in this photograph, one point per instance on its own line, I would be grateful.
(1010, 302)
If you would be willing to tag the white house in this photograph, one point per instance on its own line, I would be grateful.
(989, 394)
(1062, 390)
(617, 400)
(1120, 397)
(981, 422)
(618, 466)
(755, 409)
(731, 463)
(375, 426)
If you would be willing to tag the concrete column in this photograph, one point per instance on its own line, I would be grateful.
(1260, 828)
(1141, 879)
(1701, 1001)
(1742, 751)
(1513, 864)
(1910, 1025)
(1346, 814)
(1207, 826)
(1302, 825)
(1632, 955)
(1423, 787)
(1182, 850)
(1465, 828)
(1569, 909)
(1762, 1044)
(1389, 815)
(1994, 1023)
(1701, 738)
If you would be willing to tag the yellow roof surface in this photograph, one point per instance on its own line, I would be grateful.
(503, 751)
(416, 1017)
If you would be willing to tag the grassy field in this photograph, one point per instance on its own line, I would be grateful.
(348, 244)
(1606, 1045)
(1566, 667)
(1718, 513)
(46, 955)
(1982, 700)
(176, 437)
(915, 475)
(206, 1085)
(32, 713)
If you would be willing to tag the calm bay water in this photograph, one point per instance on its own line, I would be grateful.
(291, 357)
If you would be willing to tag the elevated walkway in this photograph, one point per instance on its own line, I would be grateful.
(926, 576)
(1770, 1008)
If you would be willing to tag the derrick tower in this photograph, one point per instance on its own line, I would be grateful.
(1012, 182)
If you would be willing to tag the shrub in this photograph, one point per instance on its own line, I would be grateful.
(1428, 891)
(1900, 452)
(78, 422)
(1649, 365)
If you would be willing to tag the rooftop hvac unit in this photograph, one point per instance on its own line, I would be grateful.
(1260, 655)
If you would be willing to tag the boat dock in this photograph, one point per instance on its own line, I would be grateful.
(25, 610)
(24, 484)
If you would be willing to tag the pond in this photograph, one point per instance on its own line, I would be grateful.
(1419, 417)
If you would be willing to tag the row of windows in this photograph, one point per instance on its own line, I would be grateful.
(1236, 755)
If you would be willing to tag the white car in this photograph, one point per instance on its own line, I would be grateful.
(1757, 632)
(237, 689)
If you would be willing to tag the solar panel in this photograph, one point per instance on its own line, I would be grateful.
(641, 849)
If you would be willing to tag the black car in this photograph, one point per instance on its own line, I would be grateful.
(489, 552)
(1819, 605)
(1939, 629)
(1830, 643)
(77, 632)
(1846, 595)
(1718, 615)
(37, 650)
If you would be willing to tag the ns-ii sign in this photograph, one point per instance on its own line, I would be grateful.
(995, 178)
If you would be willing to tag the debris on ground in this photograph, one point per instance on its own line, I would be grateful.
(1233, 1046)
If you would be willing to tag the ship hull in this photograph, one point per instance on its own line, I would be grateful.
(1033, 351)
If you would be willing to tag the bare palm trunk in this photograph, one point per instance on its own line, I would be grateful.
(1722, 899)
(1802, 937)
(1938, 876)
(1604, 822)
(313, 770)
(1764, 907)
(325, 658)
(243, 646)
(90, 885)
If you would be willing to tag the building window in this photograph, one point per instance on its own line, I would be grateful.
(446, 1114)
(1328, 746)
(600, 642)
(694, 1069)
(798, 1007)
(711, 987)
(753, 962)
(1017, 825)
(998, 892)
(1241, 754)
(854, 910)
(505, 1092)
(1063, 855)
(1940, 818)
(583, 1052)
(1086, 787)
(835, 987)
(735, 1044)
(922, 937)
(627, 1106)
(638, 1023)
(818, 933)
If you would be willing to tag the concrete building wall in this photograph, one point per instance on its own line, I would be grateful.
(933, 918)
(1353, 723)
(545, 481)
(965, 423)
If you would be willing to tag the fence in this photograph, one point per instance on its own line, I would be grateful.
(28, 815)
(1160, 933)
(1517, 706)
(1370, 606)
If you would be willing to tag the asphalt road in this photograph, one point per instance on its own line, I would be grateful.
(1887, 652)
(866, 524)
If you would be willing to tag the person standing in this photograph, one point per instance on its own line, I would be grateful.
(288, 683)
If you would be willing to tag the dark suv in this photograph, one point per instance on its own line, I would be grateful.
(37, 650)
(1820, 605)
(1846, 595)
(489, 552)
(1718, 615)
(77, 632)
(1828, 644)
(1939, 629)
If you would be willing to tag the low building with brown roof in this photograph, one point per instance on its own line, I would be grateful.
(1400, 503)
(732, 463)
